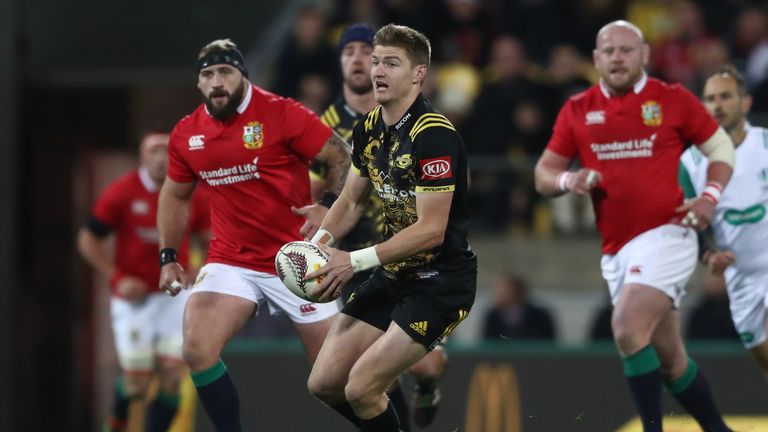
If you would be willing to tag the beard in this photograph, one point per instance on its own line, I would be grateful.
(359, 89)
(230, 108)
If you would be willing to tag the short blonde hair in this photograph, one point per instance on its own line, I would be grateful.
(415, 44)
(217, 45)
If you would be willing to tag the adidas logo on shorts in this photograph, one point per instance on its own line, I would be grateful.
(420, 327)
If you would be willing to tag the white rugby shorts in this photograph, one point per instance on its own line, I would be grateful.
(747, 295)
(148, 330)
(663, 258)
(261, 288)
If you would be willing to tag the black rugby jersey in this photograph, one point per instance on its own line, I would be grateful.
(342, 118)
(421, 153)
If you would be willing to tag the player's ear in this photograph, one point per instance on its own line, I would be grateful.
(421, 72)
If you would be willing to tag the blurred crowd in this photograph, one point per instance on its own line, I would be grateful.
(502, 69)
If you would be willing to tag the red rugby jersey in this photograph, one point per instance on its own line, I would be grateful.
(128, 206)
(254, 166)
(635, 141)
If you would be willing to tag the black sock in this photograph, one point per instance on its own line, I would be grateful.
(384, 422)
(346, 411)
(644, 379)
(161, 412)
(397, 399)
(119, 416)
(692, 391)
(219, 397)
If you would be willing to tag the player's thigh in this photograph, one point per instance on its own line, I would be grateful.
(431, 367)
(640, 308)
(669, 346)
(380, 365)
(313, 334)
(211, 319)
(347, 340)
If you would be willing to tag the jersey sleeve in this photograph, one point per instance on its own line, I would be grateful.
(562, 141)
(437, 154)
(358, 147)
(178, 169)
(697, 125)
(304, 131)
(109, 207)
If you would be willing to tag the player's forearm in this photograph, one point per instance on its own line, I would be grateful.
(336, 156)
(414, 239)
(95, 253)
(719, 172)
(172, 218)
(546, 180)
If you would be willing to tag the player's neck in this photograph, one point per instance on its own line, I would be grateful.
(738, 133)
(361, 103)
(394, 110)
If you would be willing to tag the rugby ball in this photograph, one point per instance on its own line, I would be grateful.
(293, 261)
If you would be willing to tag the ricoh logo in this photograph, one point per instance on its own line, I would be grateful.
(307, 309)
(437, 168)
(196, 142)
(402, 121)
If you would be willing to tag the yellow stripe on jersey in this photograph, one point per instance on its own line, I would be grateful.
(427, 121)
(334, 114)
(372, 118)
(433, 189)
(330, 117)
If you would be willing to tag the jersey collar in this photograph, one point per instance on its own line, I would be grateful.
(147, 181)
(243, 105)
(410, 114)
(637, 88)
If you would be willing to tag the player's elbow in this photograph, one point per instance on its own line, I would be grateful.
(541, 186)
(434, 237)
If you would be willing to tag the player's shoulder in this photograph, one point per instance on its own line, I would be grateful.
(658, 86)
(431, 124)
(370, 120)
(331, 117)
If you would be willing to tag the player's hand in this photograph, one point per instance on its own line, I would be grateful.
(583, 181)
(717, 261)
(314, 215)
(131, 288)
(173, 279)
(697, 212)
(334, 275)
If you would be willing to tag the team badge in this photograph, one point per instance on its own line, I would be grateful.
(253, 135)
(651, 113)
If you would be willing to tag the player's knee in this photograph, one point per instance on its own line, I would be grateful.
(325, 389)
(628, 339)
(136, 385)
(198, 355)
(359, 395)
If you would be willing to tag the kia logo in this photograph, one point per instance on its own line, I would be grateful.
(436, 168)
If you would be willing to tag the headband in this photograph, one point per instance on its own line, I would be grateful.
(232, 57)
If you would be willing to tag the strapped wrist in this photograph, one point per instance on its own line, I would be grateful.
(167, 256)
(324, 237)
(561, 182)
(364, 259)
(712, 192)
